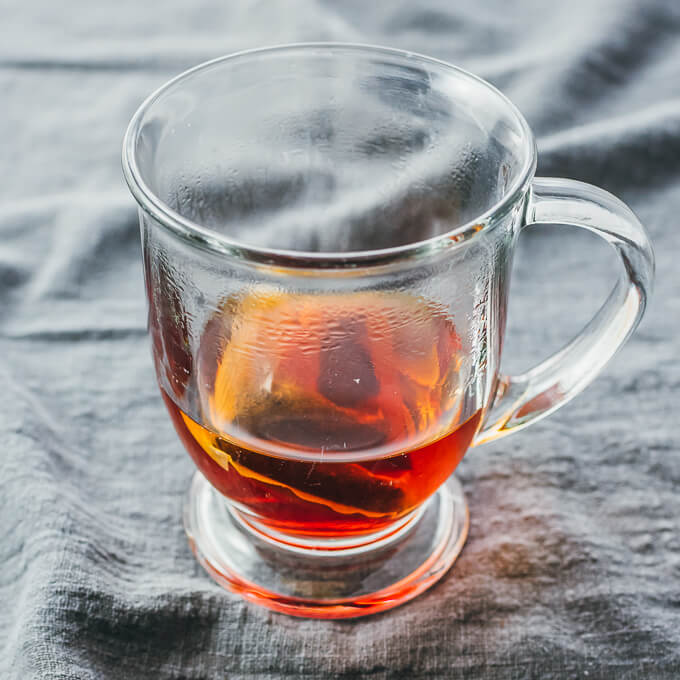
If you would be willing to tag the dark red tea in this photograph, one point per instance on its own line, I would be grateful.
(328, 415)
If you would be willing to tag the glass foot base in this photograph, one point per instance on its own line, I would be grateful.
(332, 579)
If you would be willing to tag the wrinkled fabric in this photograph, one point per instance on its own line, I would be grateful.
(572, 566)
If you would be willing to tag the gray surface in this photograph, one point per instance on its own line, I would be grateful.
(572, 568)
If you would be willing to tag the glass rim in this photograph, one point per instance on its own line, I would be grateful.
(220, 244)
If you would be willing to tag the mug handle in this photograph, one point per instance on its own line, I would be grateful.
(524, 399)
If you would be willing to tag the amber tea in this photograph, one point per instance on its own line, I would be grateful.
(328, 415)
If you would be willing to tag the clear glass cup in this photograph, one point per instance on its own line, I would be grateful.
(327, 233)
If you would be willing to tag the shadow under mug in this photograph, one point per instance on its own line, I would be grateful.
(328, 233)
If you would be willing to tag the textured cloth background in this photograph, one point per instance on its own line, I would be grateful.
(572, 567)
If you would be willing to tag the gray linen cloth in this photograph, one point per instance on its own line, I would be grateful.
(572, 567)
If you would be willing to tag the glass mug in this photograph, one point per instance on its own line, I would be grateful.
(327, 234)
